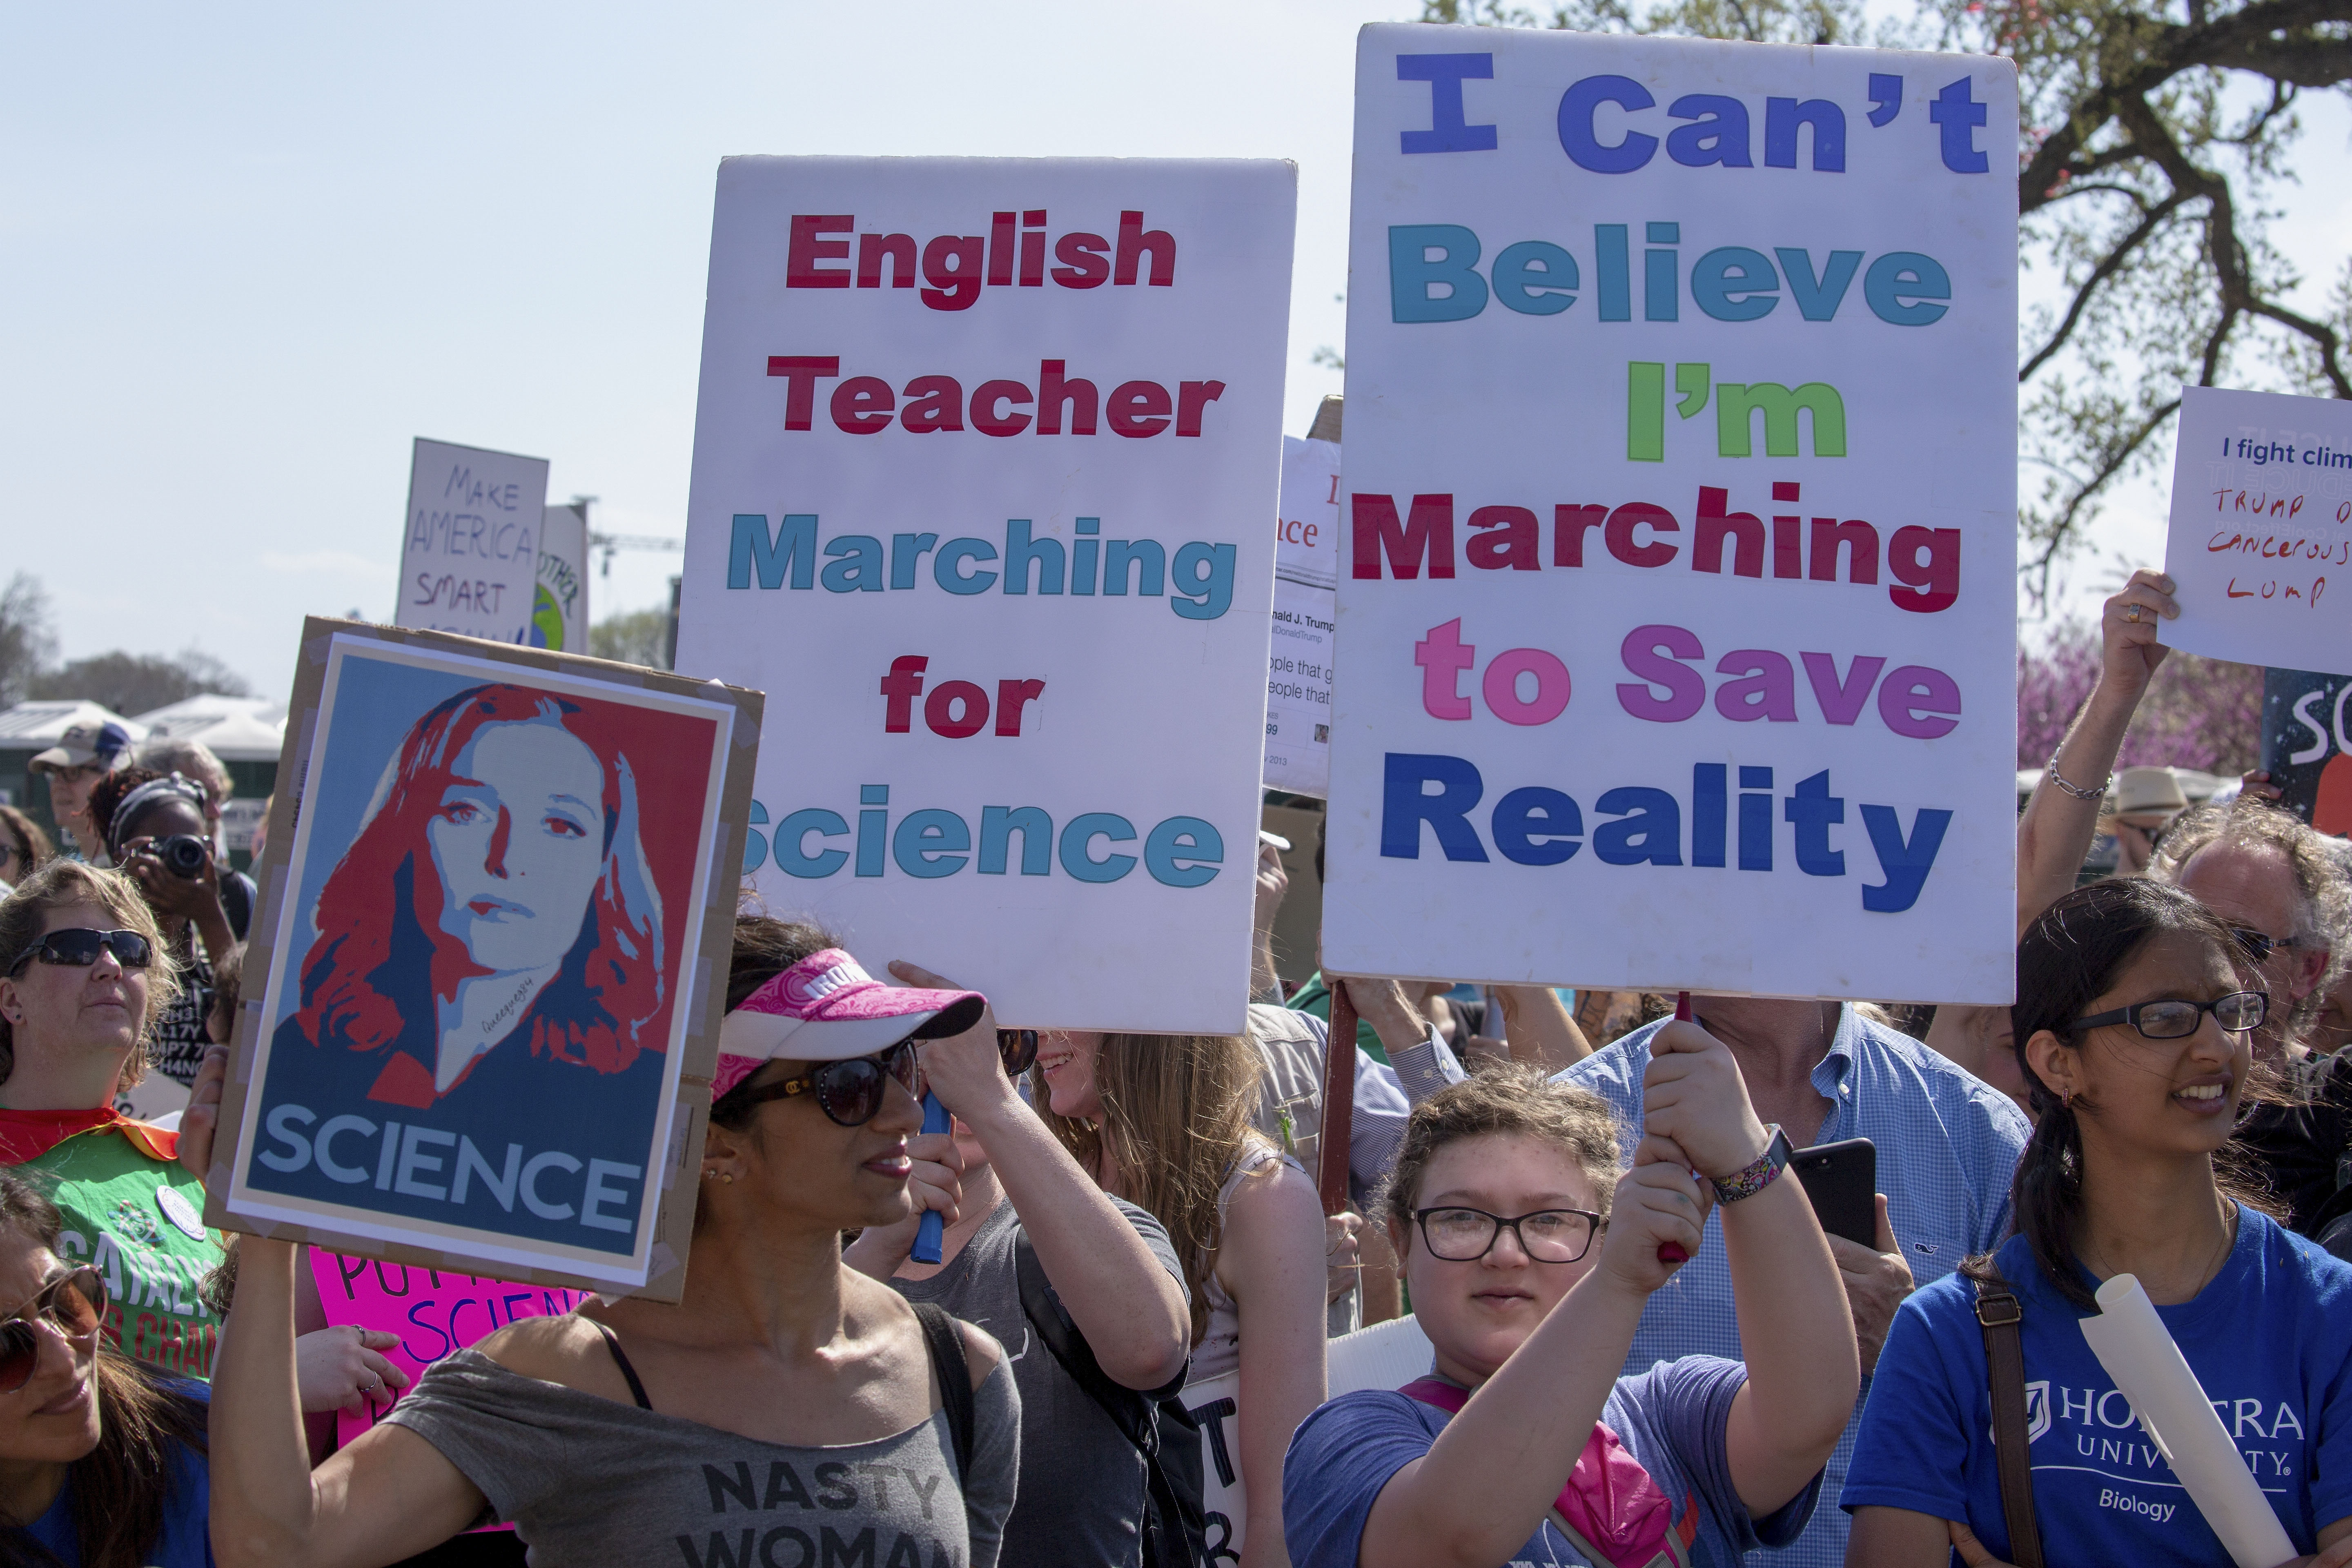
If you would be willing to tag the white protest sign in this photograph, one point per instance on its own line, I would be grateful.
(470, 553)
(1677, 617)
(983, 464)
(2261, 518)
(1298, 668)
(1386, 1355)
(559, 608)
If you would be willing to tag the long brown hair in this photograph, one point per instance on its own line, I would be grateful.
(119, 1486)
(1176, 1118)
(61, 884)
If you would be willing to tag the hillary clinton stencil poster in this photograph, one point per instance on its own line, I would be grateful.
(492, 938)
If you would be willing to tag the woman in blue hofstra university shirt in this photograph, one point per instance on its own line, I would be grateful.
(2133, 1022)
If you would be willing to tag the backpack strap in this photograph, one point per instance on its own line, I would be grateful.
(1998, 1313)
(1131, 1410)
(945, 1341)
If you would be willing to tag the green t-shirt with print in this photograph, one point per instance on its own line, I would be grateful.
(138, 1220)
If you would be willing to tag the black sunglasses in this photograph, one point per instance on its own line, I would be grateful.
(2259, 945)
(1019, 1049)
(78, 946)
(75, 1301)
(850, 1092)
(2174, 1019)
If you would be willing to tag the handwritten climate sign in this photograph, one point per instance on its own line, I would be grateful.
(1676, 610)
(2261, 528)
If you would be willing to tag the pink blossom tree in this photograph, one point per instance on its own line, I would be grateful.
(2201, 714)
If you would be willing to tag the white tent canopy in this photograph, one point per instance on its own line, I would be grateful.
(37, 726)
(237, 729)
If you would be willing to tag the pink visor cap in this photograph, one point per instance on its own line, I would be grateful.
(826, 1008)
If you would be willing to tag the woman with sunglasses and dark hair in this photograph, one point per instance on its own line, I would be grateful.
(1530, 1256)
(1111, 1279)
(2134, 1025)
(787, 1410)
(102, 1461)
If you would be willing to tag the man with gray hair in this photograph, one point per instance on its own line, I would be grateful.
(2281, 886)
(2278, 883)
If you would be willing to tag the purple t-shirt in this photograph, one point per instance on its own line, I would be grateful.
(1671, 1420)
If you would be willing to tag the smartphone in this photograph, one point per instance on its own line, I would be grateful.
(1841, 1180)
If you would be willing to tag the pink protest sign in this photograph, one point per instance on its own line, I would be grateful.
(434, 1311)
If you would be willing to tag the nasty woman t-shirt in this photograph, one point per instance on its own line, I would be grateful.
(2270, 1340)
(588, 1481)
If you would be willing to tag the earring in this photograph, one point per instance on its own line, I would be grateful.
(2066, 1100)
(729, 1178)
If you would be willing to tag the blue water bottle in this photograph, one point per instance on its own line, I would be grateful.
(930, 1235)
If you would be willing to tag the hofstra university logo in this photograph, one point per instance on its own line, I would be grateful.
(2037, 1409)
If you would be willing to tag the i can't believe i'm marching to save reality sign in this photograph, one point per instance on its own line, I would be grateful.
(1677, 607)
(983, 462)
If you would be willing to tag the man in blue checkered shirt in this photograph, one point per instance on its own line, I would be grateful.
(1948, 1143)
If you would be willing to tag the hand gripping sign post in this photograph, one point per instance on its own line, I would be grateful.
(1676, 609)
(982, 467)
(2261, 528)
(469, 550)
(485, 975)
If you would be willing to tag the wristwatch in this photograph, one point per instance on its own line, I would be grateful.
(1758, 1173)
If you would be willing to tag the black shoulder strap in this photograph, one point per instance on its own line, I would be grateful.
(236, 902)
(1131, 1410)
(613, 1344)
(948, 1364)
(1998, 1313)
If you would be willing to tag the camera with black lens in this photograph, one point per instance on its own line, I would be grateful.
(184, 855)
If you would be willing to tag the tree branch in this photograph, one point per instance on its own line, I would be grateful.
(2109, 265)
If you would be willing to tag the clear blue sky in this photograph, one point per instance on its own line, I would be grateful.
(248, 252)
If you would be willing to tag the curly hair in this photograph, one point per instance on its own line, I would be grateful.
(61, 884)
(2324, 893)
(1508, 1098)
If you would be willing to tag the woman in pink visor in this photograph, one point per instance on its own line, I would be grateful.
(787, 1410)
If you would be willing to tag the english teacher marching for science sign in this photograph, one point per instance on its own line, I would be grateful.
(983, 461)
(1681, 517)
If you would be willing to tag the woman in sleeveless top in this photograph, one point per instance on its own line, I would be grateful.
(1164, 1121)
(786, 1410)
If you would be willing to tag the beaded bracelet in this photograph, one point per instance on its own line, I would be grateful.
(2077, 791)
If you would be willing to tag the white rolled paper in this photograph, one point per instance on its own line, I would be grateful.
(2131, 1342)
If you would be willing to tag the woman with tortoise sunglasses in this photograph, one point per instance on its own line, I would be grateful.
(101, 1460)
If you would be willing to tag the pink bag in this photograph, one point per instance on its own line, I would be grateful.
(1610, 1510)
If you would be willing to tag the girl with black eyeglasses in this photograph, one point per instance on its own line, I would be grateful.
(2134, 1016)
(1530, 1258)
(788, 1410)
(101, 1460)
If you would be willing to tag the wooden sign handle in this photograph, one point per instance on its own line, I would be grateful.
(1339, 1102)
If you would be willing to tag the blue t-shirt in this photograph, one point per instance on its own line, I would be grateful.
(1671, 1420)
(185, 1540)
(2269, 1341)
